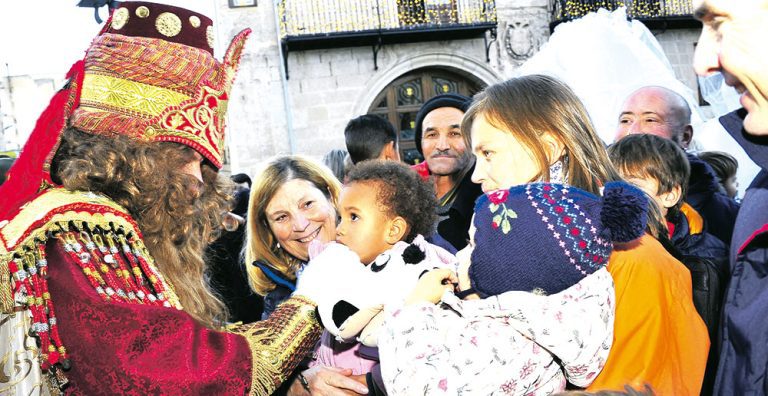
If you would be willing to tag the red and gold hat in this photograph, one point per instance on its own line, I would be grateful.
(150, 74)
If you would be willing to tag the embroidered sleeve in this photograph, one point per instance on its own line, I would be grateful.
(279, 343)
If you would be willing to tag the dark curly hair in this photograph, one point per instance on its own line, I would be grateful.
(401, 192)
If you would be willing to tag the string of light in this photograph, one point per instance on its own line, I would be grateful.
(571, 9)
(303, 17)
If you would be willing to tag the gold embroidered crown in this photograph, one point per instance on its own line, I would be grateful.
(150, 74)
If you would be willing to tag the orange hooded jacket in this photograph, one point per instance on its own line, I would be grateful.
(659, 338)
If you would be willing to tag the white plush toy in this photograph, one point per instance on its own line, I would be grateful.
(355, 310)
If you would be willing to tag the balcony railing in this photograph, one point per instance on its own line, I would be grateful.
(318, 24)
(330, 17)
(654, 12)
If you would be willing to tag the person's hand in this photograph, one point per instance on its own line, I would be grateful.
(330, 381)
(361, 379)
(464, 256)
(431, 286)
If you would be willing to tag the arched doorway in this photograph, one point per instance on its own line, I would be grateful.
(402, 98)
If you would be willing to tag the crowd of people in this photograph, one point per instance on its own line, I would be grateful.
(522, 256)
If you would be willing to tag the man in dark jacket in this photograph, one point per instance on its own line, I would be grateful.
(662, 112)
(448, 162)
(733, 33)
(706, 196)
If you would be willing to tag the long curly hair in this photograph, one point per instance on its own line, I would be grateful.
(177, 223)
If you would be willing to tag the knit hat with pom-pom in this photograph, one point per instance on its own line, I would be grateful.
(546, 237)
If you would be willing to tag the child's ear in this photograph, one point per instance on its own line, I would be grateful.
(389, 152)
(672, 197)
(397, 230)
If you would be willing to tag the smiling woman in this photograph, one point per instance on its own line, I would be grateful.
(292, 203)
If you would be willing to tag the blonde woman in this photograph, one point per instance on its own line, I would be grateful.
(292, 203)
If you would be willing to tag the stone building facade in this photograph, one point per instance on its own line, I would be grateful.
(306, 113)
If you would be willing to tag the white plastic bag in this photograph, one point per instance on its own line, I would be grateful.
(603, 58)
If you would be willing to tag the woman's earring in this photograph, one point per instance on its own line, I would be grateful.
(277, 245)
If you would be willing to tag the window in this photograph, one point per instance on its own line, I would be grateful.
(401, 100)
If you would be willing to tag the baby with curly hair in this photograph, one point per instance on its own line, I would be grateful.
(385, 212)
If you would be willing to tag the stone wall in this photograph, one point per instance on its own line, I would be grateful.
(325, 88)
(306, 114)
(679, 45)
(523, 27)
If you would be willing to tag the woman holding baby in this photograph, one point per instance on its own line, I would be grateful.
(523, 132)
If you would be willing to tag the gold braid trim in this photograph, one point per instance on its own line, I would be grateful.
(35, 216)
(280, 343)
(52, 211)
(6, 288)
(103, 92)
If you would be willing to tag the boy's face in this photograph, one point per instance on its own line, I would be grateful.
(651, 187)
(364, 226)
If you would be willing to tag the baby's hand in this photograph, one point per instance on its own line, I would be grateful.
(431, 286)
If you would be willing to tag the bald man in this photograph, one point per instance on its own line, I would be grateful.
(663, 112)
(658, 111)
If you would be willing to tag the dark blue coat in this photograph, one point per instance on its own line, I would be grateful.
(698, 243)
(707, 259)
(284, 286)
(743, 368)
(717, 209)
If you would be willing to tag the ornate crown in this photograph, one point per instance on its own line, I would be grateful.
(150, 74)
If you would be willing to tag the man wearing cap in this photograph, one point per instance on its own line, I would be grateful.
(439, 139)
(105, 217)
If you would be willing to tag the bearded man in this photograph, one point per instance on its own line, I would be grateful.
(104, 221)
